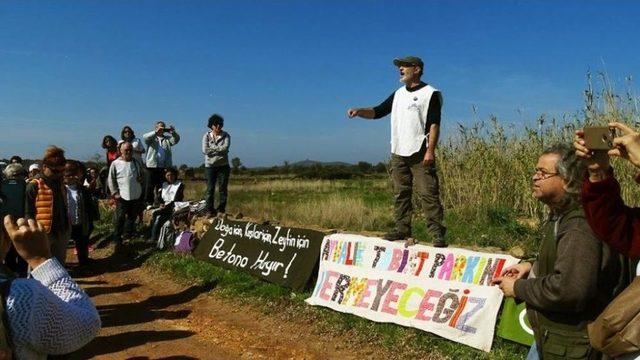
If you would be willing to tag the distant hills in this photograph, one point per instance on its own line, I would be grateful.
(308, 163)
(305, 164)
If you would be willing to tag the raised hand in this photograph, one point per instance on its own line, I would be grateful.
(29, 239)
(628, 145)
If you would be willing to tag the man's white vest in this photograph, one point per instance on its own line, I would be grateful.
(409, 119)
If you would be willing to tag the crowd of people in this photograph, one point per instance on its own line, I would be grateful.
(63, 194)
(56, 200)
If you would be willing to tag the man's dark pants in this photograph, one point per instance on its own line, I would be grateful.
(405, 171)
(220, 175)
(125, 217)
(154, 177)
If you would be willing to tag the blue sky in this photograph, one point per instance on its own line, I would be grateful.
(283, 73)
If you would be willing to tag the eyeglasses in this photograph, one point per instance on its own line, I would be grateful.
(542, 174)
(55, 168)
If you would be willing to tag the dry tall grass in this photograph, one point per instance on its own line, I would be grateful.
(486, 166)
(321, 203)
(340, 213)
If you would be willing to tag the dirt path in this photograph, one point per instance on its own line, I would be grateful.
(149, 316)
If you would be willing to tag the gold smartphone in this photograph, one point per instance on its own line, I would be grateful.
(599, 137)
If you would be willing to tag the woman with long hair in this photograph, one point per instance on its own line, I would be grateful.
(128, 135)
(110, 144)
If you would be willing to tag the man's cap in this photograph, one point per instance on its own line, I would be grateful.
(34, 166)
(408, 60)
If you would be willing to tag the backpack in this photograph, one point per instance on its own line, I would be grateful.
(617, 330)
(12, 193)
(185, 242)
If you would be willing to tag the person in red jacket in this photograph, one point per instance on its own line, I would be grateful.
(614, 222)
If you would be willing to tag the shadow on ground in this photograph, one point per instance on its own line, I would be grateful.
(100, 290)
(103, 345)
(121, 259)
(149, 309)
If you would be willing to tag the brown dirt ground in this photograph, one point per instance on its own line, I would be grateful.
(149, 316)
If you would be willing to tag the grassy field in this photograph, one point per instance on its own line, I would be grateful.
(362, 205)
(485, 172)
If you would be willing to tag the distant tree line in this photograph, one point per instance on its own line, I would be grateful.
(305, 169)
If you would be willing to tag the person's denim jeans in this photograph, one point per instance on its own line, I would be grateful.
(217, 175)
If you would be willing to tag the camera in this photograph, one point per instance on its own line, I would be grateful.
(599, 137)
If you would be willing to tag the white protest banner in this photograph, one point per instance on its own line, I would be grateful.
(445, 291)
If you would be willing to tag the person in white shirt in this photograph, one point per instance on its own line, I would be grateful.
(415, 126)
(48, 314)
(159, 143)
(172, 190)
(125, 184)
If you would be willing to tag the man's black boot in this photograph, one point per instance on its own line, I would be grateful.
(395, 234)
(440, 242)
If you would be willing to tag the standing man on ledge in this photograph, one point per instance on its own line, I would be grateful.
(159, 143)
(415, 125)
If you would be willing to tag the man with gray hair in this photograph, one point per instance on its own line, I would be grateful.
(14, 171)
(574, 275)
(125, 183)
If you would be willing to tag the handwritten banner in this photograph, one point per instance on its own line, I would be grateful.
(282, 255)
(444, 291)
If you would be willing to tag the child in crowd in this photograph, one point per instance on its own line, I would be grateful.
(82, 209)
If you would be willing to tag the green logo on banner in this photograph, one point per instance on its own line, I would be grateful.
(514, 324)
